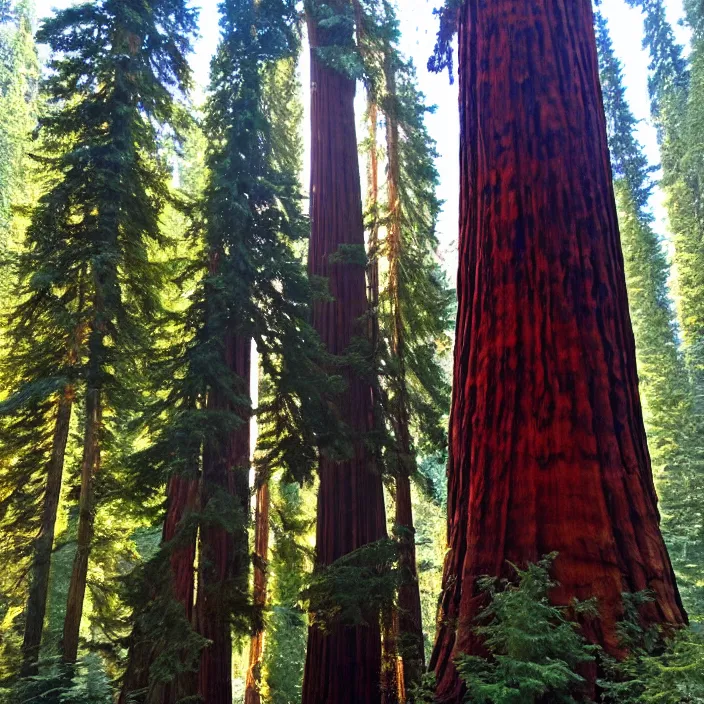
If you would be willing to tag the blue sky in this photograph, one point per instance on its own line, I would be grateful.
(419, 27)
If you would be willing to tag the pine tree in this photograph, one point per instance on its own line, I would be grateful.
(547, 445)
(19, 68)
(253, 289)
(410, 297)
(19, 75)
(674, 105)
(87, 288)
(415, 305)
(675, 93)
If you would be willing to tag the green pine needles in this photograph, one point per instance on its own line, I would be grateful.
(89, 290)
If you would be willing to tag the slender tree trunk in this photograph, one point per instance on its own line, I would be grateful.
(182, 500)
(261, 552)
(224, 559)
(39, 589)
(43, 548)
(389, 651)
(86, 517)
(373, 245)
(547, 446)
(410, 619)
(343, 665)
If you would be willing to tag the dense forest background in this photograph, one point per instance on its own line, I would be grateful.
(224, 431)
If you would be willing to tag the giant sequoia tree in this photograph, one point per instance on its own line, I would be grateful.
(342, 665)
(547, 446)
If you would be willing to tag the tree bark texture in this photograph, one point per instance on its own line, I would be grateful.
(223, 557)
(342, 665)
(547, 446)
(261, 553)
(90, 466)
(182, 499)
(410, 619)
(41, 564)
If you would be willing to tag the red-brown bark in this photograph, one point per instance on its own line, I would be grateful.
(343, 665)
(548, 451)
(182, 499)
(261, 553)
(223, 557)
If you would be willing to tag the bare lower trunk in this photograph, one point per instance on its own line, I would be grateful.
(261, 552)
(547, 446)
(342, 665)
(41, 564)
(86, 517)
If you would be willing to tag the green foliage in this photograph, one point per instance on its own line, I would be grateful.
(336, 25)
(85, 683)
(292, 520)
(416, 304)
(534, 647)
(19, 76)
(660, 668)
(250, 285)
(88, 288)
(356, 588)
(673, 387)
(423, 692)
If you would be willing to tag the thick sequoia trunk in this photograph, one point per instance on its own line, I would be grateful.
(39, 588)
(343, 664)
(223, 557)
(86, 518)
(548, 451)
(261, 552)
(182, 499)
(410, 619)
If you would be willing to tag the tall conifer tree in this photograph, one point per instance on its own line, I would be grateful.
(342, 664)
(547, 445)
(19, 76)
(410, 299)
(87, 280)
(675, 92)
(253, 289)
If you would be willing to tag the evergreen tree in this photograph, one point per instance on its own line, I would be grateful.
(673, 88)
(351, 511)
(410, 296)
(19, 75)
(253, 289)
(88, 290)
(675, 92)
(547, 445)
